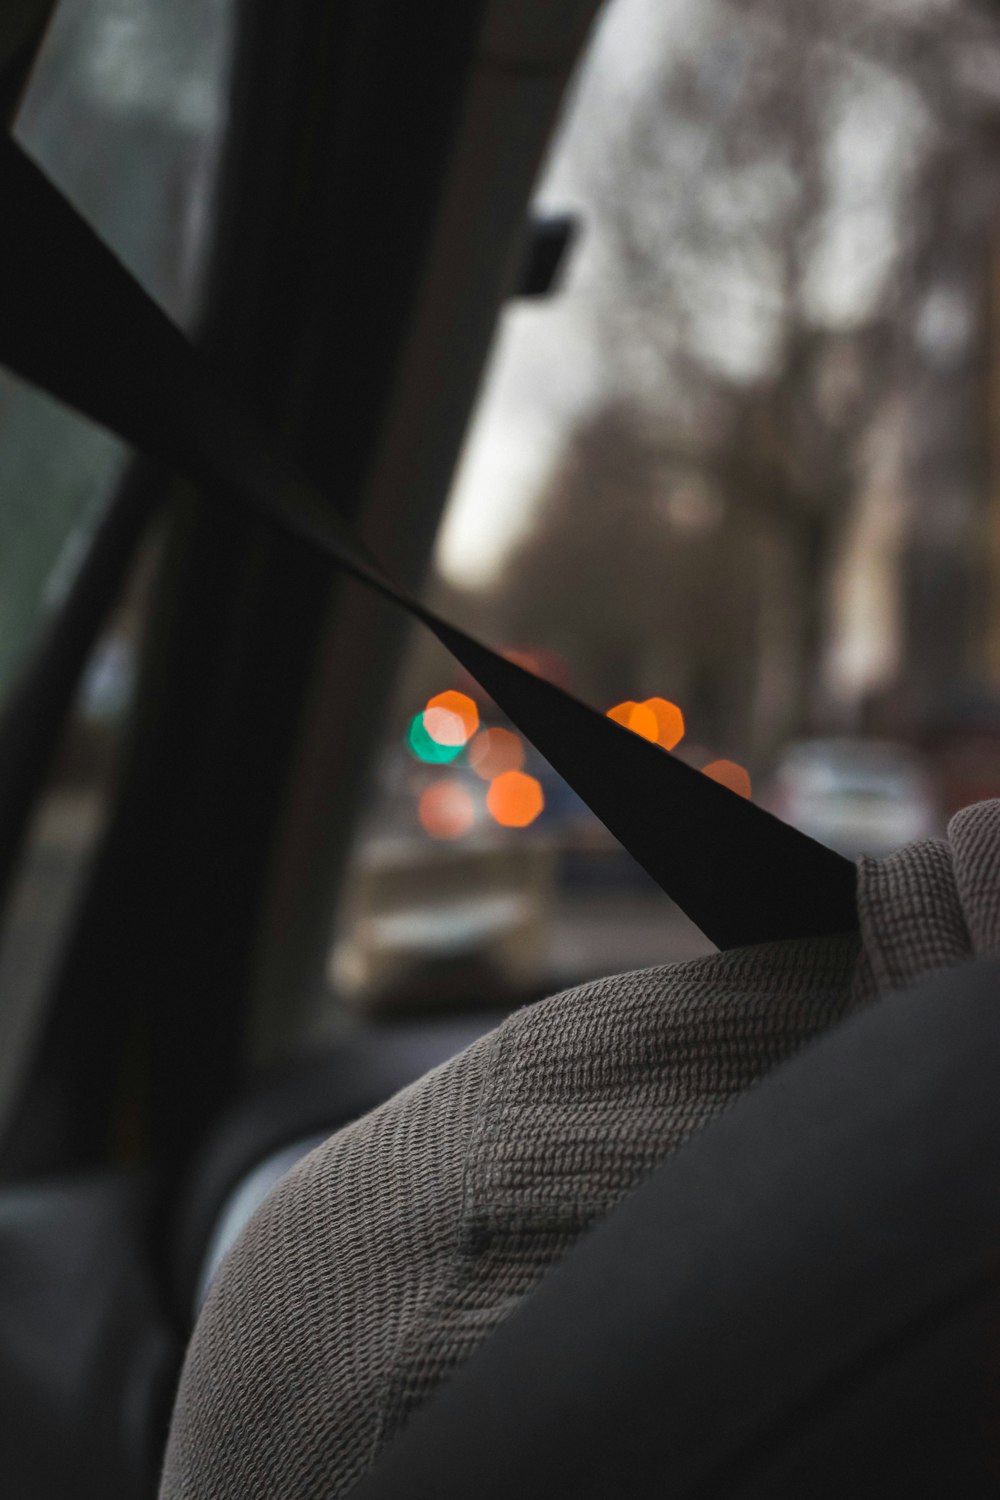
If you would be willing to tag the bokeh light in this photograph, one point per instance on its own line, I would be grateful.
(427, 749)
(638, 717)
(729, 773)
(446, 810)
(621, 712)
(444, 727)
(669, 721)
(494, 751)
(515, 799)
(451, 718)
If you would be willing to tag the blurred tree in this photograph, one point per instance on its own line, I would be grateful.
(792, 210)
(625, 576)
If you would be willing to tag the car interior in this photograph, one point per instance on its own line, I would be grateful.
(387, 393)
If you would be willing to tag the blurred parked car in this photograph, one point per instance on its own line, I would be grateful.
(857, 796)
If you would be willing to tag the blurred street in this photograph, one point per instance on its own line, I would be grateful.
(595, 933)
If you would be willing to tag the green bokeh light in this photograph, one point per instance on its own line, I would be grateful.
(427, 749)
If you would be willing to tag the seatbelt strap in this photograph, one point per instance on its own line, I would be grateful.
(77, 324)
(781, 1252)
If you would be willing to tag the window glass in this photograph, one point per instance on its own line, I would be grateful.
(65, 829)
(744, 463)
(125, 111)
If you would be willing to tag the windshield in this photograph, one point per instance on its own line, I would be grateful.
(739, 471)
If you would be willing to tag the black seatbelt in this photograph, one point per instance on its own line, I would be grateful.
(783, 1255)
(76, 323)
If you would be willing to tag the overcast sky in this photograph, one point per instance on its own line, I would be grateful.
(544, 369)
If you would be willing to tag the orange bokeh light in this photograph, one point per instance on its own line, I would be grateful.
(669, 721)
(451, 718)
(728, 773)
(638, 717)
(446, 810)
(622, 711)
(494, 751)
(514, 799)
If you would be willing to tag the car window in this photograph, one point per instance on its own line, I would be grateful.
(125, 111)
(734, 481)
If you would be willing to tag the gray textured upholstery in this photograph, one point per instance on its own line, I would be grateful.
(384, 1258)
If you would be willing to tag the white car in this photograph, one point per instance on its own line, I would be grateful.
(858, 796)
